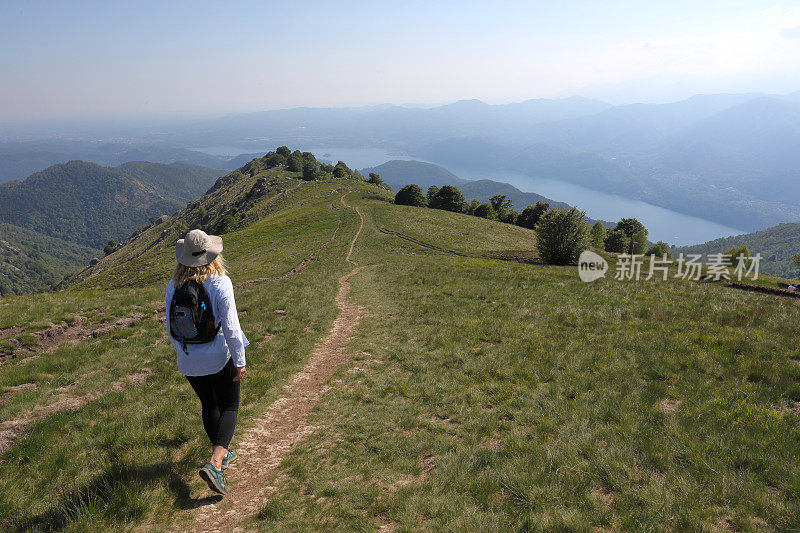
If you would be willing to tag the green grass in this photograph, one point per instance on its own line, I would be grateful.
(494, 395)
(130, 457)
(483, 394)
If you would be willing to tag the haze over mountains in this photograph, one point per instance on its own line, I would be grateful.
(730, 158)
(19, 159)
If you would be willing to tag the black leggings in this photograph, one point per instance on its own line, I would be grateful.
(219, 395)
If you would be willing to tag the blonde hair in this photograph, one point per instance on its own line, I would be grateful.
(200, 274)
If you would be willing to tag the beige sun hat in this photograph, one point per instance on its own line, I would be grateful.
(197, 248)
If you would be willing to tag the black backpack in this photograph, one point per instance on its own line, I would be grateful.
(191, 319)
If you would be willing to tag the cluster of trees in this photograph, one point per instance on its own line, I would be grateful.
(561, 233)
(450, 198)
(305, 163)
(628, 236)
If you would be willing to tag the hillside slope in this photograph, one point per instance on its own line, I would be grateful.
(776, 245)
(31, 261)
(87, 204)
(474, 389)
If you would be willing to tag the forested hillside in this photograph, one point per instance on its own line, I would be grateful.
(87, 204)
(31, 261)
(776, 245)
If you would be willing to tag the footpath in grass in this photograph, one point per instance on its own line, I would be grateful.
(128, 457)
(496, 395)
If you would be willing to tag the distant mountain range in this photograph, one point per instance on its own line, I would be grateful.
(730, 158)
(87, 204)
(20, 159)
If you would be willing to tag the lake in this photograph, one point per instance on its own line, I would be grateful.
(662, 224)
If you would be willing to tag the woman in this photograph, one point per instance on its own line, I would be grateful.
(214, 369)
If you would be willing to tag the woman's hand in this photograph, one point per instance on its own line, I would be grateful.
(240, 370)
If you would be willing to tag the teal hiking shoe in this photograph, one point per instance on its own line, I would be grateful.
(229, 458)
(213, 477)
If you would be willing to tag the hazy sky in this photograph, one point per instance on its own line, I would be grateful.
(62, 59)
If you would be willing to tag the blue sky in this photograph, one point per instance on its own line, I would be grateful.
(87, 59)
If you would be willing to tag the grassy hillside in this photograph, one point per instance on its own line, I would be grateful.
(87, 204)
(31, 261)
(482, 390)
(776, 245)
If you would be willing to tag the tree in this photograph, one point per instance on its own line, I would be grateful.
(531, 215)
(341, 170)
(294, 163)
(473, 205)
(509, 216)
(597, 235)
(639, 242)
(484, 210)
(410, 195)
(740, 251)
(310, 171)
(630, 226)
(617, 241)
(375, 178)
(271, 160)
(110, 247)
(448, 198)
(796, 259)
(660, 249)
(561, 235)
(284, 151)
(432, 190)
(500, 203)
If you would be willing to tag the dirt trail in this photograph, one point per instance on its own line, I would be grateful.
(284, 424)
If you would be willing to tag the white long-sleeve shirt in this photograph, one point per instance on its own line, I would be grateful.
(211, 357)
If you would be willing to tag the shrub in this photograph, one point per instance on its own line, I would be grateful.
(310, 170)
(375, 179)
(341, 170)
(617, 241)
(410, 195)
(597, 235)
(294, 163)
(484, 210)
(110, 247)
(432, 190)
(530, 215)
(284, 151)
(561, 235)
(660, 249)
(739, 251)
(639, 242)
(271, 160)
(509, 216)
(448, 198)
